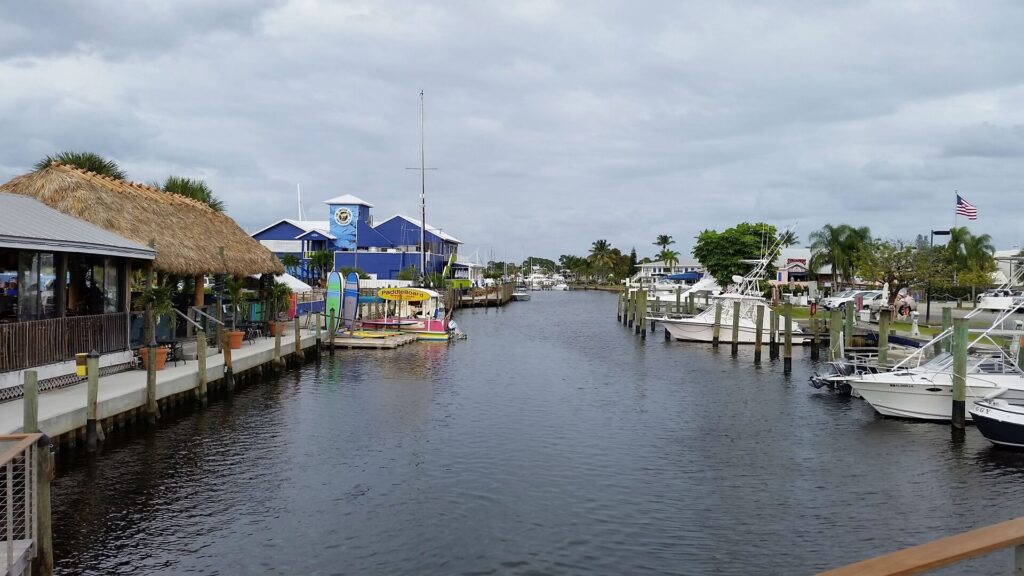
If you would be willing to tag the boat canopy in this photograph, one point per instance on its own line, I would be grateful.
(685, 276)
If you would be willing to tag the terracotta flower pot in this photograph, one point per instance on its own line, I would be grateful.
(161, 357)
(235, 339)
(275, 326)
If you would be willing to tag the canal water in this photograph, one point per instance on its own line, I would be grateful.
(552, 441)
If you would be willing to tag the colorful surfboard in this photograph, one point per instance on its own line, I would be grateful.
(351, 303)
(332, 300)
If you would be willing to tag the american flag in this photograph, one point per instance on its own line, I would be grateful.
(965, 208)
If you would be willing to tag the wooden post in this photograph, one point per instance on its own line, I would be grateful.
(618, 308)
(229, 364)
(43, 562)
(637, 318)
(773, 334)
(787, 352)
(851, 324)
(298, 340)
(656, 311)
(947, 323)
(92, 367)
(331, 328)
(278, 361)
(736, 327)
(30, 421)
(152, 410)
(959, 373)
(717, 329)
(884, 313)
(201, 361)
(691, 304)
(758, 334)
(815, 343)
(679, 297)
(319, 340)
(835, 340)
(642, 302)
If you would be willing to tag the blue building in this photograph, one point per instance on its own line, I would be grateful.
(382, 249)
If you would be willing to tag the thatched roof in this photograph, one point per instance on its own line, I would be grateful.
(188, 233)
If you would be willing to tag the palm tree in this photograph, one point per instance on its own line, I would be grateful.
(602, 255)
(195, 189)
(86, 161)
(291, 261)
(966, 249)
(788, 238)
(838, 246)
(664, 241)
(322, 262)
(670, 257)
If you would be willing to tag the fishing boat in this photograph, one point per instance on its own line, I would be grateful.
(520, 295)
(999, 421)
(421, 312)
(746, 292)
(921, 388)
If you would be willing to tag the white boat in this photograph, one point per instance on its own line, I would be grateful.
(1000, 299)
(665, 291)
(922, 389)
(560, 286)
(926, 392)
(745, 291)
(520, 296)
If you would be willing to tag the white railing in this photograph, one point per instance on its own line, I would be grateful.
(19, 516)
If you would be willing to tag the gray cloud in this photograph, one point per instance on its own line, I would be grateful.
(551, 123)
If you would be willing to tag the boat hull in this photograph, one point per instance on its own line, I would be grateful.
(693, 330)
(929, 397)
(999, 423)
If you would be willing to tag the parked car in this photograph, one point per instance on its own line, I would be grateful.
(848, 296)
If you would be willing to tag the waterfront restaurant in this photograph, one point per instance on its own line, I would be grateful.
(111, 225)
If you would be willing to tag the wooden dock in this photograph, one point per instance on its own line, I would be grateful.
(387, 342)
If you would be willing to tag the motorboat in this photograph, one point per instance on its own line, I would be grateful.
(520, 296)
(665, 291)
(746, 292)
(560, 286)
(1000, 421)
(921, 388)
(925, 392)
(421, 312)
(838, 373)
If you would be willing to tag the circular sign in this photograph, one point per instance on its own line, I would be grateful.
(343, 216)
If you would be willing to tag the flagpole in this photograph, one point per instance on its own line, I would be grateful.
(956, 207)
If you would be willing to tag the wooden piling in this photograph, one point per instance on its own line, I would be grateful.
(815, 341)
(679, 297)
(229, 365)
(758, 334)
(947, 323)
(152, 411)
(735, 327)
(332, 329)
(851, 324)
(884, 313)
(717, 330)
(30, 405)
(298, 340)
(835, 339)
(43, 562)
(643, 316)
(691, 304)
(655, 312)
(773, 334)
(92, 367)
(960, 332)
(787, 352)
(201, 391)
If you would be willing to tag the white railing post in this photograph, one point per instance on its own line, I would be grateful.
(10, 516)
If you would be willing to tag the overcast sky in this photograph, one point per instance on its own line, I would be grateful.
(552, 124)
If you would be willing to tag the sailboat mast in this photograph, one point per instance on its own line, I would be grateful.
(423, 198)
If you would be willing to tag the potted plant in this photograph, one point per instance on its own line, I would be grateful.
(234, 287)
(278, 295)
(158, 300)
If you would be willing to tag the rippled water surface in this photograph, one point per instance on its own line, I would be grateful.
(551, 442)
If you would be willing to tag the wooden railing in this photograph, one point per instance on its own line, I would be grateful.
(40, 342)
(939, 553)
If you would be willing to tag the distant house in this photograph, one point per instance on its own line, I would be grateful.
(652, 271)
(381, 249)
(793, 266)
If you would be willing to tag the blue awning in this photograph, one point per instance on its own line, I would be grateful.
(685, 276)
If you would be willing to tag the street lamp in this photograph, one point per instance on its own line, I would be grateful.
(928, 286)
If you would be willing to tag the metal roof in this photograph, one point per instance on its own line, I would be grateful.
(27, 224)
(348, 199)
(432, 229)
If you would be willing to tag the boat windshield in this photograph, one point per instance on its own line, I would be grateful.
(940, 362)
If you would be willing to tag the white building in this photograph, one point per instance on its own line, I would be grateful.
(651, 271)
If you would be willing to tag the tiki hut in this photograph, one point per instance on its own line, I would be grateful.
(188, 235)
